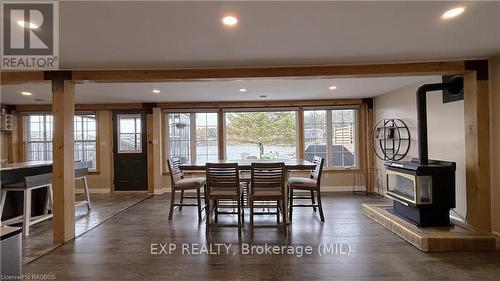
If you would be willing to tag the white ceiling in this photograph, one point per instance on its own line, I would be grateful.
(220, 90)
(140, 34)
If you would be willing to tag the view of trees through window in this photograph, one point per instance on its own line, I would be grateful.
(261, 135)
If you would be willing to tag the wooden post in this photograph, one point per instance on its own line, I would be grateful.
(477, 148)
(362, 145)
(366, 150)
(63, 111)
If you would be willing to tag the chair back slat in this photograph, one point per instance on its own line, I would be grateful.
(38, 180)
(268, 177)
(316, 173)
(222, 177)
(174, 169)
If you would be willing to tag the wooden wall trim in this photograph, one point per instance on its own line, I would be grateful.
(201, 105)
(81, 107)
(158, 75)
(300, 133)
(259, 104)
(150, 152)
(221, 134)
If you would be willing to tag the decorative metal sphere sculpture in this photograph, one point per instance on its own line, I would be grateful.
(391, 139)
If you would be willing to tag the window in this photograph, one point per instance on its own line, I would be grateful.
(192, 136)
(179, 136)
(331, 134)
(38, 136)
(315, 134)
(129, 133)
(261, 135)
(206, 137)
(38, 128)
(86, 138)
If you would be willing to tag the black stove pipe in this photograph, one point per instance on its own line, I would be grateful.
(454, 86)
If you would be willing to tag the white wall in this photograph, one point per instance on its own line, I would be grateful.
(446, 132)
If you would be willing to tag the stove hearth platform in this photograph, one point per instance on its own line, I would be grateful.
(430, 239)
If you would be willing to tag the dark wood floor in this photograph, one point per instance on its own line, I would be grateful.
(104, 206)
(120, 249)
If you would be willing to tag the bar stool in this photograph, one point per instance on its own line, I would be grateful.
(81, 174)
(179, 183)
(312, 184)
(29, 184)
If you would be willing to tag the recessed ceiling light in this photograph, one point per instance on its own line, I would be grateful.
(156, 91)
(452, 13)
(332, 87)
(262, 96)
(26, 94)
(27, 24)
(243, 90)
(229, 20)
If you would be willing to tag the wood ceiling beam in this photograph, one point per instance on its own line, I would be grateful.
(18, 77)
(159, 75)
(261, 72)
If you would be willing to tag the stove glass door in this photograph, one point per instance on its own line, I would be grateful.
(401, 186)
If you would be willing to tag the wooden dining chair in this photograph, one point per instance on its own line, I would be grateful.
(312, 184)
(268, 184)
(179, 183)
(223, 183)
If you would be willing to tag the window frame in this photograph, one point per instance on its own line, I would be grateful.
(118, 133)
(25, 129)
(192, 127)
(264, 109)
(22, 134)
(329, 137)
(97, 158)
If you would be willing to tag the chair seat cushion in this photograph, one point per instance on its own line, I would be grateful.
(305, 183)
(189, 183)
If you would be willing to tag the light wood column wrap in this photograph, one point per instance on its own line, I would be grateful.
(63, 111)
(477, 151)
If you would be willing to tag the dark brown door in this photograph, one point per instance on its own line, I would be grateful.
(130, 150)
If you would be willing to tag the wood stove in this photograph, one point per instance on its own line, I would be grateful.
(423, 194)
(424, 190)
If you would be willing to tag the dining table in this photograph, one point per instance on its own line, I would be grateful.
(246, 165)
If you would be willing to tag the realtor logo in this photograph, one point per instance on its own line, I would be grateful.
(30, 35)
